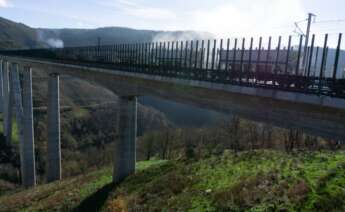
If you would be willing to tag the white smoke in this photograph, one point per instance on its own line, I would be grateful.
(55, 43)
(182, 36)
(50, 38)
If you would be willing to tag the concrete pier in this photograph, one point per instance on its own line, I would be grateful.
(5, 78)
(29, 178)
(8, 104)
(125, 157)
(54, 137)
(1, 87)
(17, 94)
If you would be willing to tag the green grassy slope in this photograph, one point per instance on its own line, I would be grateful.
(249, 181)
(67, 194)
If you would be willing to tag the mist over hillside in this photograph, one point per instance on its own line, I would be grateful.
(15, 35)
(112, 35)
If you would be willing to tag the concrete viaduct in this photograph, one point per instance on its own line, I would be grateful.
(320, 115)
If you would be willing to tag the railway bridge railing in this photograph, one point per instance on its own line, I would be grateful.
(273, 63)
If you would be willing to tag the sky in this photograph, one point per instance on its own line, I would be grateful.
(223, 18)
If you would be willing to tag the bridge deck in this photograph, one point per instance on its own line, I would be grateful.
(319, 115)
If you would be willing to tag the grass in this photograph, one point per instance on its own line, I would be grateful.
(248, 181)
(80, 112)
(65, 195)
(15, 138)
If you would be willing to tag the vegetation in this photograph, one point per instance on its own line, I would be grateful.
(64, 195)
(252, 181)
(260, 180)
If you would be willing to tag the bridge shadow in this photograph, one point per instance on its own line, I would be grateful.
(96, 201)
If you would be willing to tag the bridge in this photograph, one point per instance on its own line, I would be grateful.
(290, 86)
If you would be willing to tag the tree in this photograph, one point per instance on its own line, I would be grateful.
(166, 139)
(232, 132)
(146, 145)
(267, 136)
(253, 135)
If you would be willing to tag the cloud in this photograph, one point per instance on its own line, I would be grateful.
(135, 9)
(127, 3)
(4, 3)
(249, 18)
(151, 13)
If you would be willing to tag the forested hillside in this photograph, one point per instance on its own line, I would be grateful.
(16, 35)
(112, 35)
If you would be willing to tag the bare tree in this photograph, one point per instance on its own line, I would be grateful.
(231, 130)
(146, 145)
(253, 135)
(293, 139)
(166, 140)
(267, 136)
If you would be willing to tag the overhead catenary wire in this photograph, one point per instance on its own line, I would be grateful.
(330, 21)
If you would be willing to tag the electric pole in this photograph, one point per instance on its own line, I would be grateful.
(310, 16)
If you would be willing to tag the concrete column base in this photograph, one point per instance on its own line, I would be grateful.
(125, 157)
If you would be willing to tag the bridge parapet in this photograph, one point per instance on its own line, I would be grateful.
(279, 65)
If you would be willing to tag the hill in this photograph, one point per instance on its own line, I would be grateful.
(16, 35)
(247, 181)
(20, 36)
